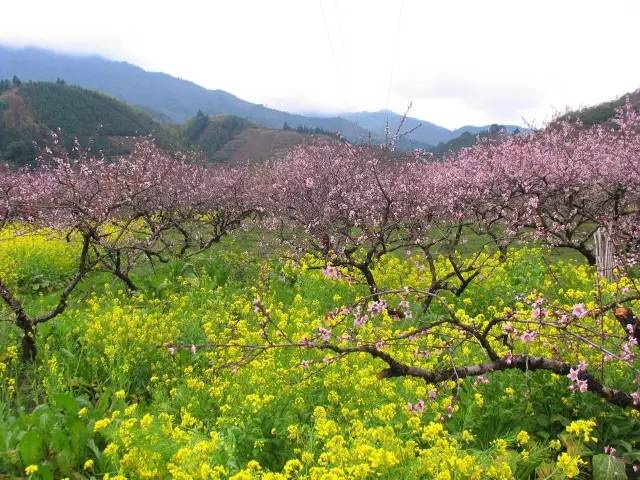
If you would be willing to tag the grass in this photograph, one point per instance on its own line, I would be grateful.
(107, 397)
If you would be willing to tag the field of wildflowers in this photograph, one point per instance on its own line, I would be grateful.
(344, 312)
(181, 380)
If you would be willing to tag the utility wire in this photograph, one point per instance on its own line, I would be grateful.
(333, 54)
(394, 53)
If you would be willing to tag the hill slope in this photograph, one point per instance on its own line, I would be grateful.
(603, 112)
(167, 97)
(30, 111)
(226, 138)
(469, 137)
(257, 144)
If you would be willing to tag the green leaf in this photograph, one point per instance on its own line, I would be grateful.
(31, 448)
(79, 434)
(59, 440)
(625, 445)
(66, 402)
(606, 467)
(94, 448)
(44, 473)
(66, 461)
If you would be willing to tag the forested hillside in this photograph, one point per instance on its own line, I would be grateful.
(30, 111)
(168, 98)
(604, 111)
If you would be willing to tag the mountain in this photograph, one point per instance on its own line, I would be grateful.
(225, 138)
(474, 130)
(257, 144)
(173, 100)
(426, 134)
(165, 97)
(29, 112)
(210, 134)
(469, 137)
(603, 112)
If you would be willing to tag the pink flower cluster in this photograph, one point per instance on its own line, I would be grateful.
(578, 385)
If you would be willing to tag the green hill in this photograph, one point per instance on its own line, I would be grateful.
(167, 98)
(603, 112)
(210, 134)
(227, 138)
(30, 111)
(468, 139)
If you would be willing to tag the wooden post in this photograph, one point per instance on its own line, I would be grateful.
(604, 253)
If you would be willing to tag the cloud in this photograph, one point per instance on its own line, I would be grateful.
(460, 62)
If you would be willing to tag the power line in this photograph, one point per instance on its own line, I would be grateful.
(394, 53)
(333, 55)
(346, 78)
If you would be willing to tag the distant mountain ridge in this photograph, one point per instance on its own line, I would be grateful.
(173, 100)
(30, 111)
(427, 133)
(602, 112)
(164, 96)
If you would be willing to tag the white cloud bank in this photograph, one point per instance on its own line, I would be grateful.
(460, 62)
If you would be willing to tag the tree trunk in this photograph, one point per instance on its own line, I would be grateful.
(124, 277)
(587, 253)
(371, 282)
(29, 345)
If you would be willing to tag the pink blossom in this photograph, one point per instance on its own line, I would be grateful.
(579, 310)
(424, 354)
(360, 320)
(508, 358)
(538, 313)
(573, 374)
(418, 407)
(324, 333)
(377, 307)
(508, 328)
(582, 386)
(331, 272)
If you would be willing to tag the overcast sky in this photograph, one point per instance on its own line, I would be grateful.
(459, 62)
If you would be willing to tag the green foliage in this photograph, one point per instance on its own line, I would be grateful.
(466, 139)
(85, 114)
(308, 130)
(77, 113)
(106, 396)
(4, 85)
(603, 112)
(212, 133)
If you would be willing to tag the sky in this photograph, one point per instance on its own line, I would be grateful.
(458, 62)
